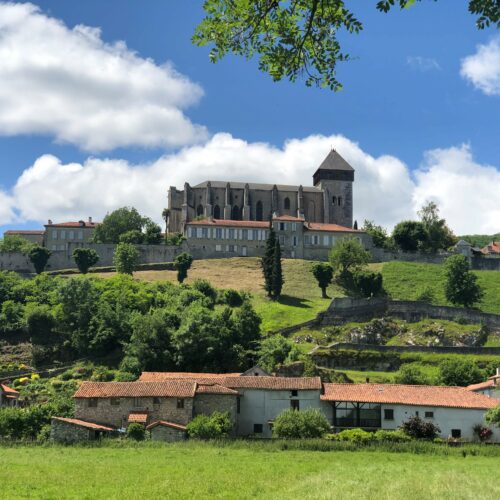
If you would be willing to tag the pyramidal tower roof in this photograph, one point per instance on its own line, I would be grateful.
(334, 161)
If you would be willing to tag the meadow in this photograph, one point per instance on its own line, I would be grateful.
(240, 471)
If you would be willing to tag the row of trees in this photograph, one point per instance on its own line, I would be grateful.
(429, 234)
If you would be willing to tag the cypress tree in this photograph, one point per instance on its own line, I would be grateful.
(267, 262)
(277, 273)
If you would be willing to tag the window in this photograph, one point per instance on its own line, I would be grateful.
(456, 433)
(93, 402)
(340, 201)
(429, 414)
(199, 232)
(315, 239)
(388, 414)
(216, 212)
(218, 248)
(218, 233)
(54, 234)
(307, 239)
(137, 402)
(244, 234)
(231, 234)
(287, 204)
(115, 401)
(294, 226)
(257, 428)
(80, 235)
(295, 241)
(259, 211)
(282, 226)
(236, 213)
(71, 235)
(294, 404)
(334, 200)
(156, 401)
(366, 415)
(294, 393)
(180, 403)
(282, 240)
(204, 232)
(63, 234)
(326, 240)
(238, 404)
(199, 210)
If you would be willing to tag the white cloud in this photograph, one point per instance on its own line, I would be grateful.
(384, 189)
(422, 63)
(482, 69)
(69, 84)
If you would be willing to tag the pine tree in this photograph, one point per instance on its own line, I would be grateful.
(277, 273)
(267, 262)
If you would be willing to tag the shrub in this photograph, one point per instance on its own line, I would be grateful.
(323, 273)
(481, 432)
(206, 288)
(358, 436)
(411, 375)
(183, 263)
(230, 297)
(461, 287)
(39, 256)
(397, 436)
(293, 424)
(426, 294)
(136, 432)
(368, 283)
(460, 373)
(417, 428)
(125, 258)
(102, 374)
(122, 376)
(214, 426)
(85, 258)
(493, 416)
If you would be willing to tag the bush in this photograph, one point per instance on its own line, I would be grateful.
(397, 436)
(136, 432)
(214, 426)
(125, 258)
(417, 428)
(122, 376)
(482, 433)
(85, 258)
(411, 375)
(426, 294)
(358, 436)
(39, 256)
(456, 372)
(368, 283)
(206, 288)
(493, 416)
(293, 424)
(230, 297)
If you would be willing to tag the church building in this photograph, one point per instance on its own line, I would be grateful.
(328, 201)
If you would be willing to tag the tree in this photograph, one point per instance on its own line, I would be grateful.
(134, 236)
(492, 416)
(274, 351)
(165, 215)
(461, 287)
(215, 426)
(296, 38)
(438, 235)
(85, 258)
(277, 272)
(118, 222)
(39, 256)
(348, 254)
(15, 243)
(174, 239)
(378, 234)
(267, 262)
(411, 375)
(41, 325)
(183, 263)
(152, 233)
(367, 283)
(125, 258)
(409, 235)
(323, 273)
(455, 372)
(305, 424)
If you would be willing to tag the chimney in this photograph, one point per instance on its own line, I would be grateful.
(49, 222)
(498, 372)
(367, 380)
(90, 220)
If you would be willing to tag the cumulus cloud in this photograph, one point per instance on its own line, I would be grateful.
(70, 84)
(482, 69)
(422, 63)
(384, 189)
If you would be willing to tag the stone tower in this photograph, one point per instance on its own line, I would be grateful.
(335, 178)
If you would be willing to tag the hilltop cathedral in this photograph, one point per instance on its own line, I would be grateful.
(329, 201)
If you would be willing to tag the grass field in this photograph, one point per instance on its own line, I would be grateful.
(198, 470)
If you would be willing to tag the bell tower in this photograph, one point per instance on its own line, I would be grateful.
(335, 178)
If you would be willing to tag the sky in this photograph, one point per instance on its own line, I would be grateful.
(107, 104)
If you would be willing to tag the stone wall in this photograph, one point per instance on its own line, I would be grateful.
(64, 432)
(117, 416)
(167, 434)
(206, 404)
(344, 310)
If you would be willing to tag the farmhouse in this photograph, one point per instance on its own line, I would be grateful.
(165, 402)
(489, 388)
(8, 396)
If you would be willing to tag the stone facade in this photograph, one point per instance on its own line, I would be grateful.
(330, 200)
(64, 432)
(117, 414)
(206, 404)
(167, 434)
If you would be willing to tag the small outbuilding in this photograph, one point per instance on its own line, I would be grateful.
(167, 431)
(72, 430)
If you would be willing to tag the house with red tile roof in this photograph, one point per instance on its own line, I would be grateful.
(58, 235)
(492, 249)
(455, 410)
(8, 397)
(491, 387)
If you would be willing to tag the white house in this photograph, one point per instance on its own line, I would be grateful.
(489, 388)
(455, 410)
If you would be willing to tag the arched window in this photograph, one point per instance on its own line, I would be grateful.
(216, 212)
(259, 211)
(235, 214)
(340, 201)
(287, 203)
(199, 210)
(334, 200)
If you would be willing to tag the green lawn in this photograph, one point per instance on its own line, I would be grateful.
(192, 470)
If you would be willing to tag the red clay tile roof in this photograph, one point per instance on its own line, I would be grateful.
(8, 390)
(83, 423)
(413, 395)
(166, 389)
(157, 376)
(290, 218)
(215, 389)
(235, 381)
(138, 417)
(40, 232)
(74, 224)
(231, 223)
(482, 385)
(493, 247)
(319, 226)
(166, 424)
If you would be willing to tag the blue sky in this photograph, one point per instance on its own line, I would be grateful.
(415, 121)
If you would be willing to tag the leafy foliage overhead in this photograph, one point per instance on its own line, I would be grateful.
(297, 38)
